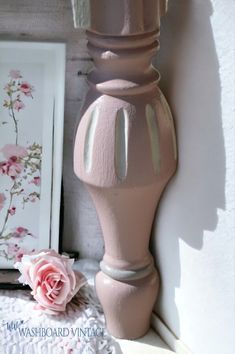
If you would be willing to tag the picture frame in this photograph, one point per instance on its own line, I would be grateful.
(32, 86)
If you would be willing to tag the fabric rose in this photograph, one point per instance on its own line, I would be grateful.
(51, 278)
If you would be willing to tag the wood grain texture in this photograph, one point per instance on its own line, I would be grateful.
(52, 20)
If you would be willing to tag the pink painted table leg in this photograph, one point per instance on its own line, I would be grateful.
(125, 152)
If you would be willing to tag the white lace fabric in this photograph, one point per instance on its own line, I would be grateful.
(83, 323)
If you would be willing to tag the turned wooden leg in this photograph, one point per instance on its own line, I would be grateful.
(125, 152)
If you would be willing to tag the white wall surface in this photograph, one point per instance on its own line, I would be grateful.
(194, 232)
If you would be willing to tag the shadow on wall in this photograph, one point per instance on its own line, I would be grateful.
(190, 80)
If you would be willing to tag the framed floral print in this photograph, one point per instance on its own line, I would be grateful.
(32, 77)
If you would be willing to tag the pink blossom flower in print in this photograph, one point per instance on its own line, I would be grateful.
(18, 105)
(26, 88)
(8, 88)
(15, 74)
(2, 200)
(12, 210)
(10, 150)
(15, 89)
(11, 168)
(12, 249)
(36, 181)
(32, 198)
(20, 232)
(20, 253)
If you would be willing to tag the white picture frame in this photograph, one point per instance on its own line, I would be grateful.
(32, 82)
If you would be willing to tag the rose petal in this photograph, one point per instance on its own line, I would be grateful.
(52, 279)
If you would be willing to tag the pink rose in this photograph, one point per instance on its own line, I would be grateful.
(18, 105)
(26, 88)
(51, 278)
(15, 74)
(10, 150)
(2, 200)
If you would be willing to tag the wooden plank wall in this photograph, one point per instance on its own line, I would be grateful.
(51, 20)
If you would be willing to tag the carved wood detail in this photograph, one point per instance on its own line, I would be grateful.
(125, 152)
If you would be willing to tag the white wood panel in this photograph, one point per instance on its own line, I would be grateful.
(52, 20)
(151, 343)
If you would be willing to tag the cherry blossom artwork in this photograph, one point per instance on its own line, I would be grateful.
(32, 79)
(20, 170)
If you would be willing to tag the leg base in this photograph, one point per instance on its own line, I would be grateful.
(127, 306)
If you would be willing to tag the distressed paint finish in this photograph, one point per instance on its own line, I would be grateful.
(127, 156)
